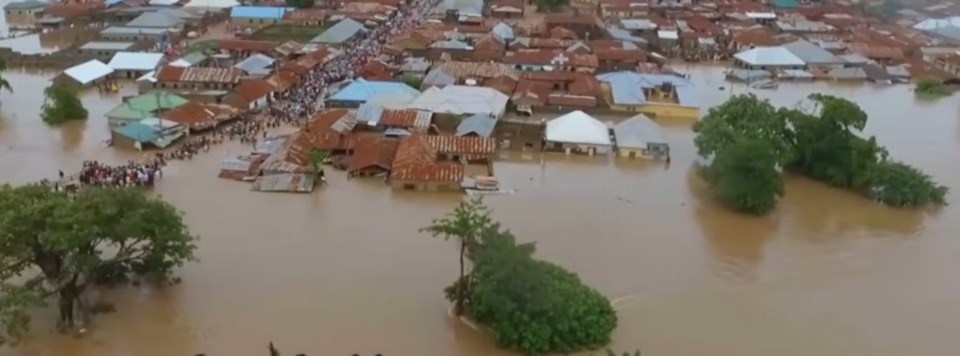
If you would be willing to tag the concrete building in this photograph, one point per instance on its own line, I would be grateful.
(23, 14)
(104, 51)
(256, 15)
(362, 90)
(656, 95)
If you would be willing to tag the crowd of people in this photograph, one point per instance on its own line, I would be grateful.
(128, 175)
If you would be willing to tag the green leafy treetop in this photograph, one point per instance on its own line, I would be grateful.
(531, 306)
(54, 245)
(62, 104)
(464, 224)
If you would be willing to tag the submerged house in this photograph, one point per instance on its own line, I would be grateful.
(372, 156)
(133, 65)
(436, 163)
(153, 132)
(640, 137)
(657, 95)
(577, 132)
(143, 106)
(84, 74)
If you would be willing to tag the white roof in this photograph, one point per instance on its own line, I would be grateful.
(461, 100)
(149, 77)
(87, 72)
(761, 15)
(638, 132)
(668, 35)
(578, 127)
(935, 24)
(769, 56)
(212, 3)
(135, 61)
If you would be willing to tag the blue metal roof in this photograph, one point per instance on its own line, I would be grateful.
(258, 12)
(362, 90)
(627, 87)
(138, 132)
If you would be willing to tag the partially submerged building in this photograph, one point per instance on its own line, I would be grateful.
(340, 33)
(640, 137)
(84, 74)
(143, 106)
(577, 132)
(132, 65)
(768, 58)
(657, 95)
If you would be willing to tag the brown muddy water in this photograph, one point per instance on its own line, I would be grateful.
(345, 271)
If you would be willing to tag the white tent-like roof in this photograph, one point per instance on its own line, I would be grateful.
(87, 72)
(580, 128)
(214, 4)
(769, 56)
(461, 100)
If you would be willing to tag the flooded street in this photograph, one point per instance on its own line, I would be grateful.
(344, 270)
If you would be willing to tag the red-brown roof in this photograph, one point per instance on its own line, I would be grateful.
(462, 145)
(550, 57)
(199, 75)
(251, 90)
(248, 45)
(416, 161)
(197, 115)
(756, 37)
(532, 92)
(306, 14)
(405, 118)
(572, 101)
(623, 55)
(584, 84)
(503, 84)
(373, 151)
(562, 33)
(376, 70)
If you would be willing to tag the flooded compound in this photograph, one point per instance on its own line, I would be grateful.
(344, 270)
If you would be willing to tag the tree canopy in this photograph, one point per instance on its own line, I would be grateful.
(550, 5)
(53, 245)
(749, 143)
(531, 306)
(931, 88)
(62, 104)
(301, 4)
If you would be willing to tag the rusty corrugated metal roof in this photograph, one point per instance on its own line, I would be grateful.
(373, 151)
(405, 118)
(460, 145)
(416, 162)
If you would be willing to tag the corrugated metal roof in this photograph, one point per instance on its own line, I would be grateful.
(769, 56)
(285, 182)
(578, 127)
(88, 72)
(374, 151)
(96, 45)
(638, 132)
(479, 124)
(460, 145)
(25, 5)
(138, 132)
(256, 64)
(362, 90)
(135, 61)
(461, 100)
(257, 12)
(416, 162)
(123, 30)
(810, 53)
(157, 19)
(339, 33)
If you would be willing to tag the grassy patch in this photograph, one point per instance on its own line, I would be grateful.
(202, 46)
(284, 32)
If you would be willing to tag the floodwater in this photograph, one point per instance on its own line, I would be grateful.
(344, 270)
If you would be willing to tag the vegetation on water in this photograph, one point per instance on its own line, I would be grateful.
(54, 245)
(531, 306)
(932, 88)
(316, 158)
(4, 84)
(202, 46)
(62, 104)
(749, 143)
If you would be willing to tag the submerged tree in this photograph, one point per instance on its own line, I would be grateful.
(743, 117)
(4, 84)
(62, 104)
(55, 245)
(898, 184)
(316, 158)
(744, 176)
(464, 224)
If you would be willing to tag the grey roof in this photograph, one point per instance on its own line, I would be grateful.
(461, 6)
(769, 56)
(415, 64)
(256, 64)
(624, 35)
(339, 33)
(748, 75)
(123, 30)
(504, 31)
(848, 73)
(854, 58)
(898, 71)
(945, 27)
(810, 53)
(803, 25)
(452, 44)
(796, 74)
(638, 24)
(479, 124)
(25, 5)
(638, 132)
(117, 46)
(369, 113)
(157, 19)
(438, 77)
(190, 59)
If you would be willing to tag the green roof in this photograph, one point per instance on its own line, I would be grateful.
(145, 106)
(786, 4)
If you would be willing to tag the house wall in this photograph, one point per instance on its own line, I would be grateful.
(22, 18)
(741, 64)
(194, 86)
(425, 186)
(242, 21)
(131, 37)
(129, 74)
(574, 148)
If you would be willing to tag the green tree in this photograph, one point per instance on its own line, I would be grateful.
(743, 116)
(62, 104)
(532, 306)
(744, 176)
(931, 88)
(301, 4)
(316, 158)
(464, 223)
(411, 80)
(900, 185)
(54, 245)
(4, 84)
(550, 5)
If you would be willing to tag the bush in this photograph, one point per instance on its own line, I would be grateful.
(532, 306)
(901, 185)
(744, 176)
(62, 104)
(930, 87)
